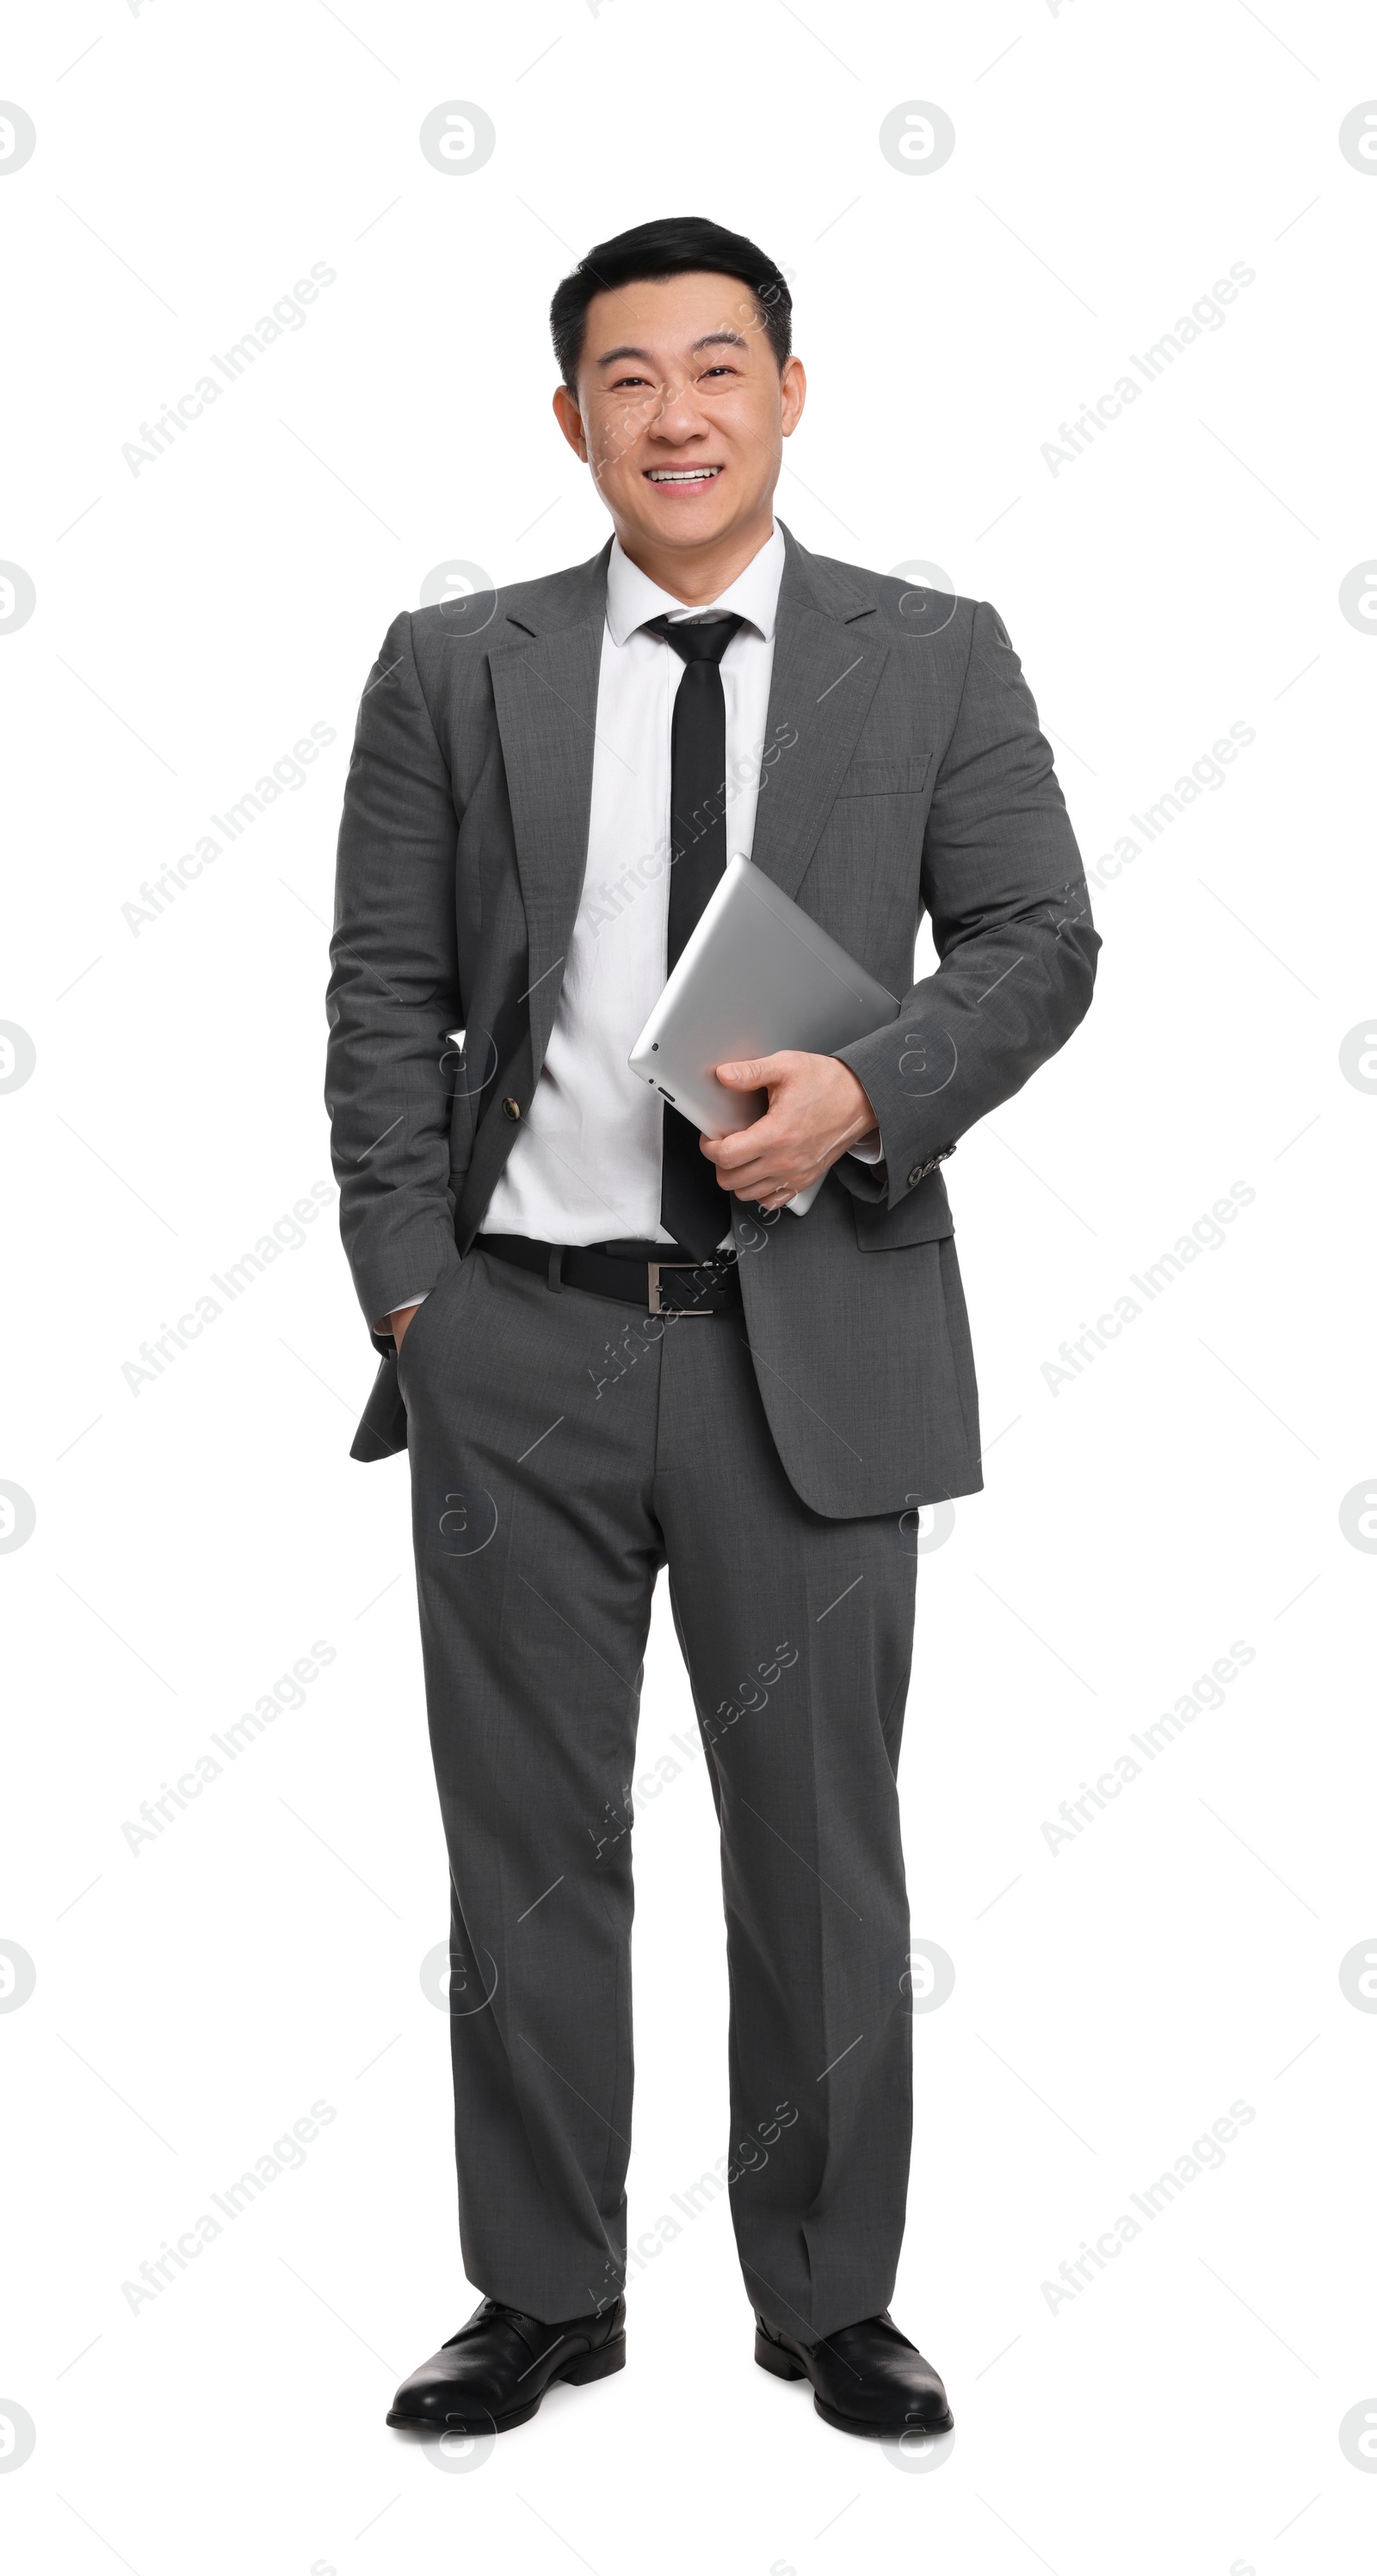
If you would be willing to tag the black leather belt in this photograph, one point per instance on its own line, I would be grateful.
(661, 1278)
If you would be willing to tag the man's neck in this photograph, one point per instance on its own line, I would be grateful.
(698, 577)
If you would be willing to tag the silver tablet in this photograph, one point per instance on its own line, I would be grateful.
(756, 975)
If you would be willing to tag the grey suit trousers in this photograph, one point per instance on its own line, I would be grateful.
(563, 1448)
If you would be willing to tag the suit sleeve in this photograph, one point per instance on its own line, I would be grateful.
(394, 992)
(1004, 889)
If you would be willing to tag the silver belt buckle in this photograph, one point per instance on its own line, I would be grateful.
(654, 1269)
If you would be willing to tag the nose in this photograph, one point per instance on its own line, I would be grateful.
(680, 415)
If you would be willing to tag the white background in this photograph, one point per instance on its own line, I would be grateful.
(194, 1537)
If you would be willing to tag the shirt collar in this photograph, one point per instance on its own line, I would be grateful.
(633, 598)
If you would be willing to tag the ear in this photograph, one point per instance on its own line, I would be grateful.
(793, 390)
(570, 419)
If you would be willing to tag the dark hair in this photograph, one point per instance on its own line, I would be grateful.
(668, 248)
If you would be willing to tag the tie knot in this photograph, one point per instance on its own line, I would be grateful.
(705, 640)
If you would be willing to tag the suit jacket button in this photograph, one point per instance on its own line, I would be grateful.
(511, 1108)
(913, 1175)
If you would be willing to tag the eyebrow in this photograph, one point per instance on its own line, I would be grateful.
(709, 340)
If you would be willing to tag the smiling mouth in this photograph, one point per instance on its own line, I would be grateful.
(682, 474)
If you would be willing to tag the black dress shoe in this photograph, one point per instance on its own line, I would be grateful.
(867, 2378)
(495, 2371)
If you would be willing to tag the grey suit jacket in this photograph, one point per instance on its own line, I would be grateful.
(908, 776)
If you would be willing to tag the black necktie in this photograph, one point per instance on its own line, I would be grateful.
(693, 1206)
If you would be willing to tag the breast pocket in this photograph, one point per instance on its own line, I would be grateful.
(903, 777)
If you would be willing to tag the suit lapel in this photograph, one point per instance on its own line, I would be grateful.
(827, 662)
(545, 688)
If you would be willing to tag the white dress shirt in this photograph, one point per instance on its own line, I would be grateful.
(584, 1166)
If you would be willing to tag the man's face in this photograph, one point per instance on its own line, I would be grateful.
(681, 408)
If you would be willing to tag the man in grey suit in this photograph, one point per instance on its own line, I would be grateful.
(607, 1346)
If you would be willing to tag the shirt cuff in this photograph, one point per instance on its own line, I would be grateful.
(870, 1149)
(384, 1320)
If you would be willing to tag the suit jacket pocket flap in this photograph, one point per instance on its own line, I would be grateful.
(924, 1216)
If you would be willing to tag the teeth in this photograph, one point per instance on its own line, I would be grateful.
(692, 474)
